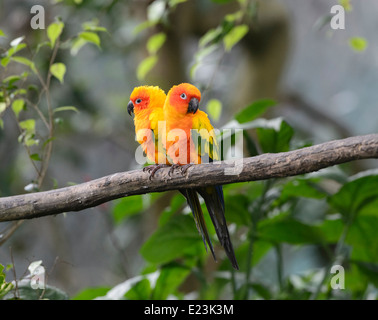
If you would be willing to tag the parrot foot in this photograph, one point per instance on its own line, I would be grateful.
(153, 168)
(185, 168)
(173, 167)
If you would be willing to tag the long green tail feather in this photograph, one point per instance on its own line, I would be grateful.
(193, 201)
(214, 200)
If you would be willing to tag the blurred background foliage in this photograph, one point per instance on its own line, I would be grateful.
(274, 68)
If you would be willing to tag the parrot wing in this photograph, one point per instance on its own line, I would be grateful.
(213, 195)
(156, 116)
(204, 135)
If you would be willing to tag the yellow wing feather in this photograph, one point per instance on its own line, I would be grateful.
(206, 132)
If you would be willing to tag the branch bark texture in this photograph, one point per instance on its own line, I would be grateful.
(122, 184)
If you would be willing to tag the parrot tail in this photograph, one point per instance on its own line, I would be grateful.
(214, 200)
(193, 201)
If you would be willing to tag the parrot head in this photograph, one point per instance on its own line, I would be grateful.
(145, 97)
(185, 98)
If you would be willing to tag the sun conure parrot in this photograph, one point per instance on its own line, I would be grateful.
(181, 112)
(146, 102)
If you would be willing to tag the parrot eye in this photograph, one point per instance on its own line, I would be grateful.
(183, 96)
(137, 101)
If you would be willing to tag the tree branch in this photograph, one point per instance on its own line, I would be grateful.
(117, 185)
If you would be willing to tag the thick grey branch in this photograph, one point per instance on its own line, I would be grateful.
(117, 185)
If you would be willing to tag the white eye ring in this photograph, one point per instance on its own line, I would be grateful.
(137, 101)
(183, 96)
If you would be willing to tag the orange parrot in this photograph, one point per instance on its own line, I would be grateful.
(146, 102)
(182, 116)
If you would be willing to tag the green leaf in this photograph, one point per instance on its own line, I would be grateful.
(273, 141)
(174, 3)
(127, 207)
(232, 17)
(15, 49)
(362, 237)
(91, 293)
(155, 42)
(93, 26)
(42, 44)
(29, 141)
(177, 202)
(4, 61)
(5, 287)
(26, 62)
(332, 229)
(28, 125)
(2, 34)
(211, 36)
(58, 70)
(214, 108)
(26, 292)
(368, 269)
(358, 44)
(346, 4)
(66, 108)
(76, 45)
(54, 30)
(238, 204)
(11, 79)
(145, 66)
(260, 249)
(262, 290)
(90, 37)
(35, 157)
(176, 238)
(171, 276)
(144, 25)
(251, 145)
(306, 188)
(357, 196)
(234, 36)
(286, 229)
(254, 110)
(1, 124)
(139, 291)
(18, 106)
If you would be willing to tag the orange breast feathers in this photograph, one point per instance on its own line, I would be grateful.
(148, 102)
(180, 107)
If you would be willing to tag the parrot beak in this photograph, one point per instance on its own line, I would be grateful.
(130, 107)
(193, 105)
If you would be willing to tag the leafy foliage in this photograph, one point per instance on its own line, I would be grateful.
(17, 91)
(5, 287)
(269, 220)
(271, 216)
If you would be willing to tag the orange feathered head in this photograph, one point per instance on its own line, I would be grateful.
(184, 98)
(145, 97)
